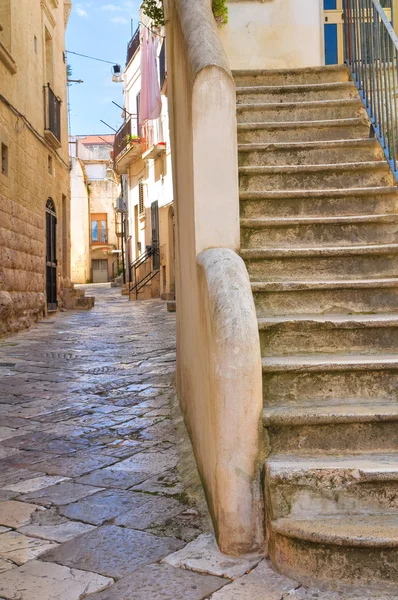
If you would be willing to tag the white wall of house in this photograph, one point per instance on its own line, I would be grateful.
(274, 34)
(79, 219)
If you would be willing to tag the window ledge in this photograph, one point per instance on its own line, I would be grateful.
(7, 59)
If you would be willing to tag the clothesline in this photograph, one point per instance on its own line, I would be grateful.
(151, 30)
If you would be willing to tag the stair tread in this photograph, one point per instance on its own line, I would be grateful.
(346, 412)
(290, 124)
(324, 193)
(360, 530)
(348, 166)
(287, 286)
(299, 87)
(259, 222)
(331, 321)
(295, 104)
(253, 146)
(330, 362)
(292, 70)
(318, 251)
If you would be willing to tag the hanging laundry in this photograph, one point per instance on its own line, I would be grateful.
(151, 100)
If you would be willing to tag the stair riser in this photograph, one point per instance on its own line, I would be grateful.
(337, 93)
(323, 234)
(329, 492)
(310, 156)
(334, 438)
(280, 389)
(303, 134)
(283, 113)
(371, 340)
(318, 207)
(300, 269)
(326, 301)
(316, 180)
(300, 77)
(337, 567)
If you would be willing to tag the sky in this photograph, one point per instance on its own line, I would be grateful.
(100, 29)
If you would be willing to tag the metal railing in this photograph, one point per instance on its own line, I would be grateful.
(52, 112)
(371, 48)
(125, 136)
(133, 45)
(143, 270)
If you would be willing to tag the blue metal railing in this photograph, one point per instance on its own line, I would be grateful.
(371, 52)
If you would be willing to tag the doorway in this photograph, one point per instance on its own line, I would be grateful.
(155, 234)
(334, 28)
(51, 255)
(100, 270)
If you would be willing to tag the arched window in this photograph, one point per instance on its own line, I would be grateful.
(50, 206)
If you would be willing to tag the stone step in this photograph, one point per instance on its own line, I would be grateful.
(340, 552)
(310, 153)
(323, 203)
(296, 93)
(347, 412)
(315, 110)
(325, 262)
(327, 334)
(84, 303)
(282, 77)
(304, 131)
(343, 175)
(301, 231)
(332, 484)
(325, 297)
(325, 378)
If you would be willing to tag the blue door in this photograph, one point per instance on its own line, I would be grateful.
(333, 31)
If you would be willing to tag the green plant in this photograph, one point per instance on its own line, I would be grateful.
(154, 10)
(220, 12)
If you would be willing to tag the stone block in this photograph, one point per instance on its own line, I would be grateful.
(16, 514)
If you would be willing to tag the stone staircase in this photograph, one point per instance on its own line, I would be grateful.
(76, 299)
(319, 235)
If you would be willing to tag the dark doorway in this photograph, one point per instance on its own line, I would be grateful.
(51, 255)
(155, 234)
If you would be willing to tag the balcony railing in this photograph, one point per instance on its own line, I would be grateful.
(133, 45)
(125, 137)
(52, 113)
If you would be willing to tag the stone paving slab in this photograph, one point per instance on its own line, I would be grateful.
(60, 494)
(167, 483)
(160, 582)
(61, 532)
(76, 464)
(35, 484)
(42, 581)
(112, 479)
(112, 551)
(16, 514)
(149, 510)
(151, 463)
(20, 548)
(202, 555)
(261, 583)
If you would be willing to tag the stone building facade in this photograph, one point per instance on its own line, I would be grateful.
(34, 175)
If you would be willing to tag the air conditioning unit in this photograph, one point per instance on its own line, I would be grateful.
(120, 204)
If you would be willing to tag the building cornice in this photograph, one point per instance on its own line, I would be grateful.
(7, 59)
(47, 11)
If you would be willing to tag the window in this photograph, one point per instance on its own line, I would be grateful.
(35, 44)
(141, 204)
(99, 229)
(50, 164)
(4, 159)
(49, 57)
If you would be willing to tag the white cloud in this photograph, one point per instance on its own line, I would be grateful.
(130, 4)
(120, 20)
(111, 7)
(80, 11)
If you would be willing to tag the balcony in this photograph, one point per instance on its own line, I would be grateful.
(133, 45)
(152, 140)
(127, 147)
(52, 118)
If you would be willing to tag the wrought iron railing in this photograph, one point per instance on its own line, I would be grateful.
(133, 45)
(144, 269)
(52, 112)
(125, 136)
(371, 48)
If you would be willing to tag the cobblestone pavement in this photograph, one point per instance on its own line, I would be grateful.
(92, 503)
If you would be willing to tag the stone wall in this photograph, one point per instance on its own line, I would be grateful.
(35, 171)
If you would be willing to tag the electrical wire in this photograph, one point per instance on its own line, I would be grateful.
(91, 57)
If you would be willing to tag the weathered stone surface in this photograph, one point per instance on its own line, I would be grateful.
(202, 555)
(112, 551)
(6, 565)
(148, 510)
(16, 514)
(75, 465)
(19, 548)
(43, 581)
(150, 462)
(7, 432)
(32, 485)
(10, 475)
(161, 582)
(167, 483)
(262, 583)
(60, 494)
(61, 532)
(112, 478)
